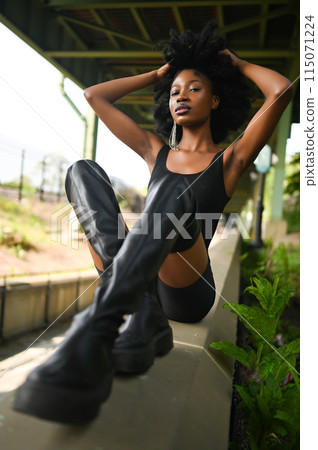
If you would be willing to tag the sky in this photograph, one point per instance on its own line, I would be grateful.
(35, 116)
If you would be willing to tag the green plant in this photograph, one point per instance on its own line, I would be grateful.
(270, 260)
(267, 396)
(286, 330)
(273, 420)
(292, 184)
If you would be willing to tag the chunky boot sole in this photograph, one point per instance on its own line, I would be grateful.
(139, 360)
(64, 405)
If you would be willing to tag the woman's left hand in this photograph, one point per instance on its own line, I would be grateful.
(235, 59)
(162, 71)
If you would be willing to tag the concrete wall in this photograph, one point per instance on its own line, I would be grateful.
(36, 304)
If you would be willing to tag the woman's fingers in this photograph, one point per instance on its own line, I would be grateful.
(162, 71)
(234, 58)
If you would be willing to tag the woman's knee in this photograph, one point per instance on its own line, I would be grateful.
(188, 304)
(84, 172)
(82, 167)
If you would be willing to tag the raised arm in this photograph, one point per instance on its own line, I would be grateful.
(278, 92)
(101, 98)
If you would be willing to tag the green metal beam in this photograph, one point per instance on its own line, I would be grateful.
(86, 4)
(178, 19)
(73, 34)
(294, 40)
(262, 29)
(257, 19)
(146, 54)
(91, 135)
(136, 99)
(105, 30)
(147, 126)
(140, 24)
(101, 22)
(133, 54)
(220, 15)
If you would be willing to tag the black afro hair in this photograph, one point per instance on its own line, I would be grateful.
(201, 52)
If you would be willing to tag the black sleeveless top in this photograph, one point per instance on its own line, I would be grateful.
(207, 186)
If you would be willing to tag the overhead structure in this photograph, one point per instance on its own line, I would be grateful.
(90, 41)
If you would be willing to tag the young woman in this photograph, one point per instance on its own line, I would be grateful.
(164, 272)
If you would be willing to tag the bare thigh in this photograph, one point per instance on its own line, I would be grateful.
(184, 268)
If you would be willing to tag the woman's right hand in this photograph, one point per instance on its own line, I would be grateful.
(162, 71)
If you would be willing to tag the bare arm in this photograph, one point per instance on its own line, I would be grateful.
(278, 92)
(101, 98)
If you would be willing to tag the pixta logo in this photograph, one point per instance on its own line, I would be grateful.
(65, 224)
(157, 224)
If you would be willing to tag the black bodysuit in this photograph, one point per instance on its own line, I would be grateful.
(192, 303)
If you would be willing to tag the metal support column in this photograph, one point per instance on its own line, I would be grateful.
(282, 136)
(91, 135)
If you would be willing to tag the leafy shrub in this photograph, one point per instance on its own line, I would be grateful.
(271, 393)
(270, 260)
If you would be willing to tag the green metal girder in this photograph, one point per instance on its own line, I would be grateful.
(140, 23)
(119, 4)
(256, 19)
(103, 29)
(53, 30)
(146, 54)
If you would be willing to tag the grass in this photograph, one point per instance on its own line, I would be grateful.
(20, 229)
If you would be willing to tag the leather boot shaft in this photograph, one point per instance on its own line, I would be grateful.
(143, 253)
(88, 189)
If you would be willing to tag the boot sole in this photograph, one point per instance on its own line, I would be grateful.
(64, 405)
(131, 361)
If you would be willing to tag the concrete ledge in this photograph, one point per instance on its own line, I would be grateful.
(35, 302)
(182, 403)
(219, 324)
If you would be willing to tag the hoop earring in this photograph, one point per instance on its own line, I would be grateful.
(173, 138)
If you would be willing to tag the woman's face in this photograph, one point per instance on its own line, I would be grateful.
(191, 98)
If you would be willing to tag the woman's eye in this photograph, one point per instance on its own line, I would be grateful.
(174, 93)
(194, 89)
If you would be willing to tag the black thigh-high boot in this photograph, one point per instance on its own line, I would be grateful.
(71, 385)
(90, 192)
(148, 332)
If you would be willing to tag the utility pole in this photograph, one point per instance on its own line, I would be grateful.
(42, 179)
(21, 175)
(60, 180)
